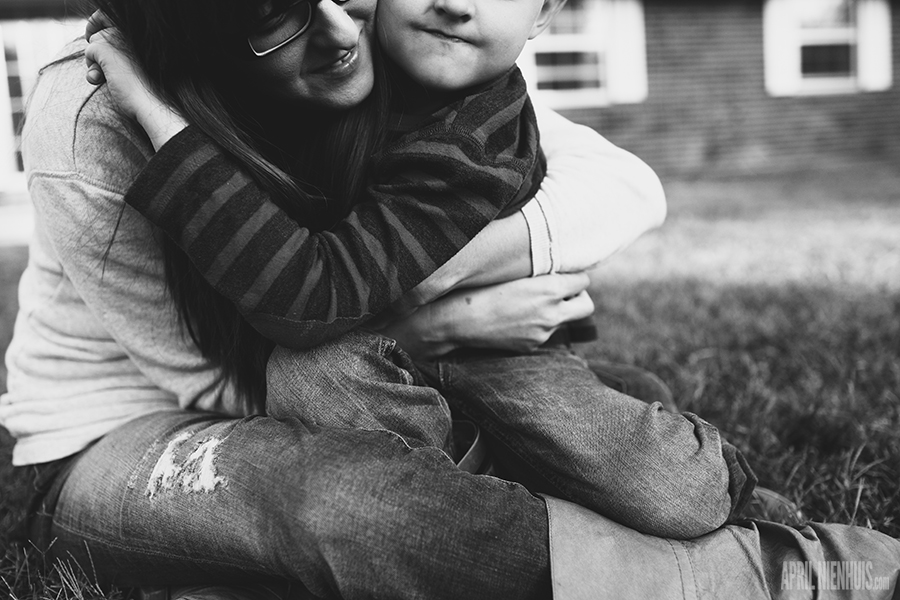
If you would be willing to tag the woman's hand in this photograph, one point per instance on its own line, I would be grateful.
(519, 316)
(109, 61)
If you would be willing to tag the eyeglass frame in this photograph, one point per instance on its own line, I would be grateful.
(312, 13)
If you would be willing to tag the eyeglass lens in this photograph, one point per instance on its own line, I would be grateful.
(282, 27)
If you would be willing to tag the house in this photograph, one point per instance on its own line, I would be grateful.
(736, 85)
(691, 86)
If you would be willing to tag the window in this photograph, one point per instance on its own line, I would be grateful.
(593, 54)
(26, 45)
(827, 46)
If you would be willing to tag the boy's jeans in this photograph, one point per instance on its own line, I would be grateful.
(556, 427)
(181, 498)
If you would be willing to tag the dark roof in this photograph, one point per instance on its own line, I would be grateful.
(24, 9)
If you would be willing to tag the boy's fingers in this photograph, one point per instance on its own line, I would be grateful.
(570, 284)
(97, 50)
(96, 22)
(578, 306)
(95, 74)
(93, 54)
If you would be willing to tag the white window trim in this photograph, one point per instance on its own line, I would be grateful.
(783, 41)
(11, 179)
(622, 46)
(35, 46)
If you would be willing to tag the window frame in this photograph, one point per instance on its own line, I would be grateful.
(622, 58)
(785, 38)
(35, 42)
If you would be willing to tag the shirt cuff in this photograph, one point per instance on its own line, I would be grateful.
(541, 228)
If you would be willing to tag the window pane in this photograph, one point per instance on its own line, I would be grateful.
(568, 70)
(815, 14)
(833, 60)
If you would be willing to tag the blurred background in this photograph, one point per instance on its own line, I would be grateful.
(770, 299)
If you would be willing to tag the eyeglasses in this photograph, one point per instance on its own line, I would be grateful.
(282, 27)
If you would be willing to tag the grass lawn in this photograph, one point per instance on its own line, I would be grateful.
(772, 308)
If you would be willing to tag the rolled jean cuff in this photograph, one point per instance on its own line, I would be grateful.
(594, 557)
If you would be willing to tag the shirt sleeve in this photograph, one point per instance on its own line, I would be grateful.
(111, 256)
(596, 197)
(300, 288)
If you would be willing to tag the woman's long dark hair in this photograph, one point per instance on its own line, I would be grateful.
(184, 48)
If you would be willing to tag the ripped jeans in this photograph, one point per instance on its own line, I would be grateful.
(553, 425)
(183, 498)
(180, 498)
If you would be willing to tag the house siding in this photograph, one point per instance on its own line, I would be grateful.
(708, 109)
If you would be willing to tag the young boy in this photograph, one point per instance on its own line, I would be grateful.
(463, 150)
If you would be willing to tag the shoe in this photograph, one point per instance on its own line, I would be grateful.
(768, 505)
(635, 382)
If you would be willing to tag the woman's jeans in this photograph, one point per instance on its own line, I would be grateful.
(186, 498)
(179, 498)
(554, 426)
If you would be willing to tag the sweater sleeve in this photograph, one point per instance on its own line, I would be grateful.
(301, 288)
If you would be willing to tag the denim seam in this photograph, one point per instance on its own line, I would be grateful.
(739, 542)
(691, 565)
(167, 553)
(681, 573)
(693, 570)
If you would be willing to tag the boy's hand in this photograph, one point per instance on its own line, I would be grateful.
(109, 61)
(519, 316)
(95, 23)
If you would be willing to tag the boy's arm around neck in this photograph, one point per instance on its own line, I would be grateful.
(598, 199)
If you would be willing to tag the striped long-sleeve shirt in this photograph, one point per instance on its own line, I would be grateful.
(435, 188)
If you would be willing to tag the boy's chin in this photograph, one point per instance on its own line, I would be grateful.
(447, 81)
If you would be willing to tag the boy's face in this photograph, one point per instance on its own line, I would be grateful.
(454, 44)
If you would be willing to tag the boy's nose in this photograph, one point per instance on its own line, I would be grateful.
(333, 27)
(457, 9)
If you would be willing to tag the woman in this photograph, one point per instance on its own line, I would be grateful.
(157, 494)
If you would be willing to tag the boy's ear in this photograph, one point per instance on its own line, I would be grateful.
(548, 11)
